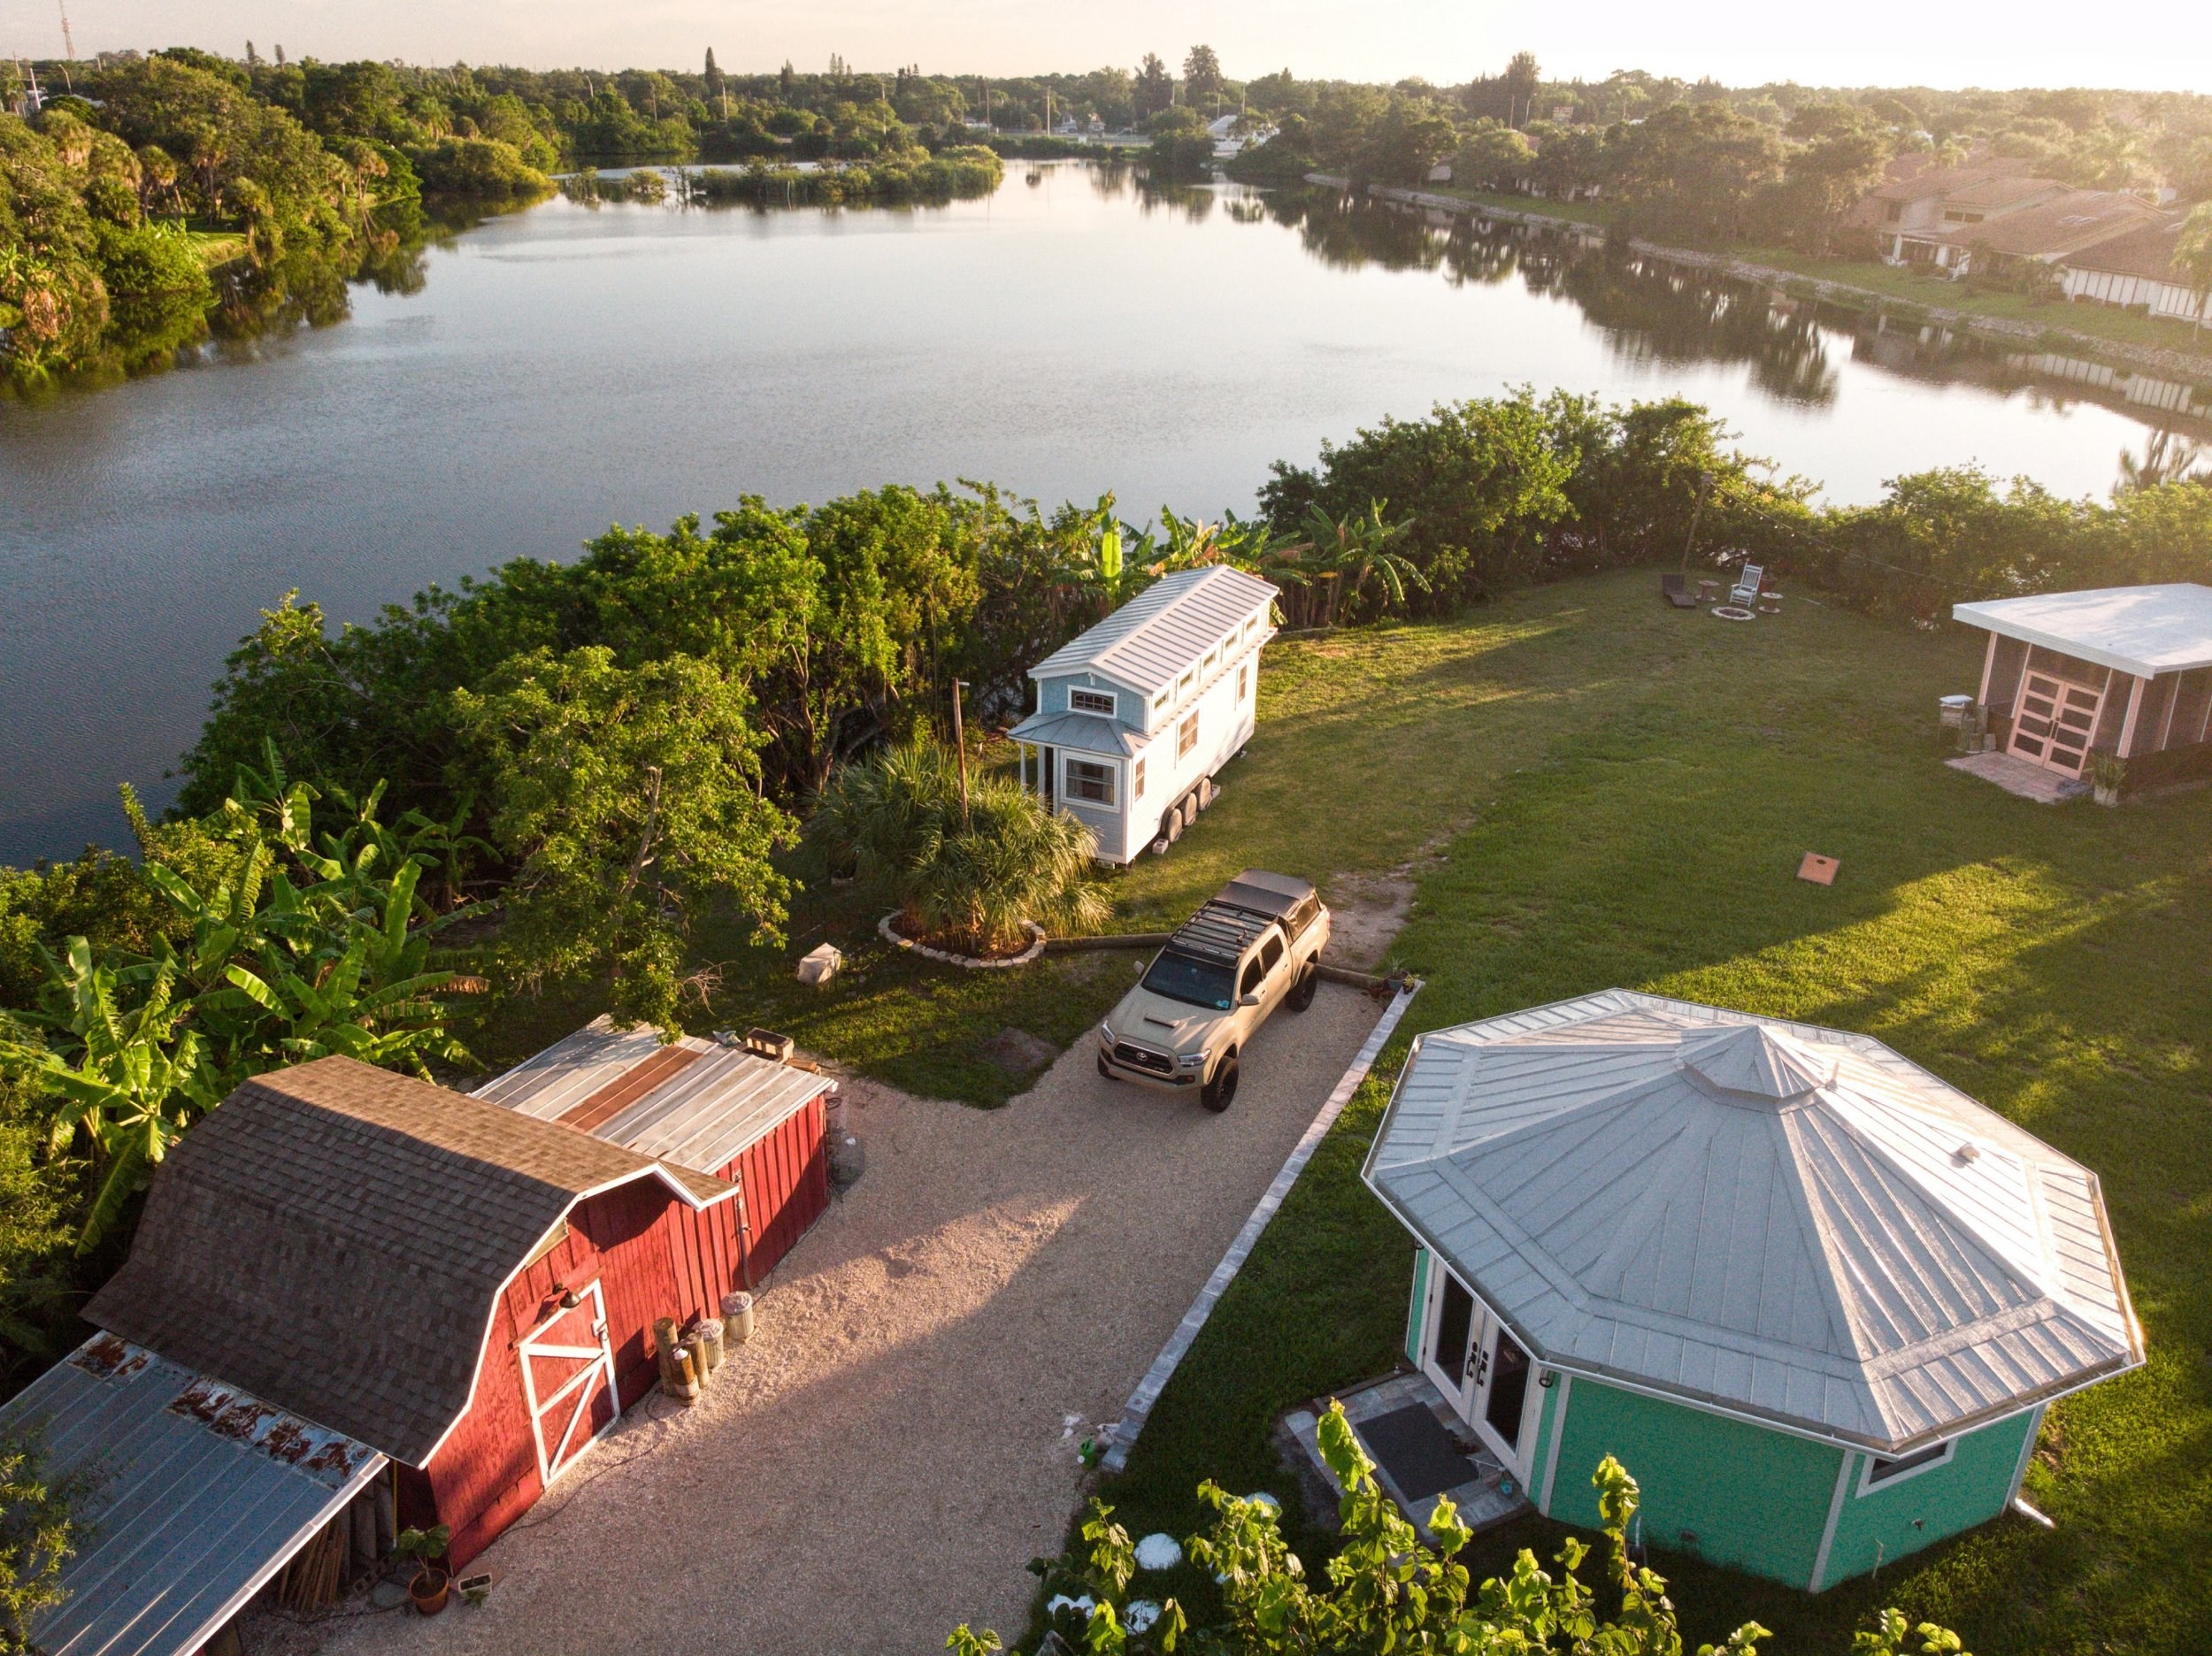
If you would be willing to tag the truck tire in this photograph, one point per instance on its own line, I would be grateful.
(1219, 1093)
(1104, 1071)
(1302, 987)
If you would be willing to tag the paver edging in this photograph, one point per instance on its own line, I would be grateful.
(967, 961)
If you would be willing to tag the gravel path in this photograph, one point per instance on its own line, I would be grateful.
(892, 1447)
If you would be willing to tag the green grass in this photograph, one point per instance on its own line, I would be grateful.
(1588, 212)
(2053, 962)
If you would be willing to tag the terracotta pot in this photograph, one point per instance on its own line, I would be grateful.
(427, 1592)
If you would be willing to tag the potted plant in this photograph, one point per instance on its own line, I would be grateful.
(2108, 774)
(428, 1590)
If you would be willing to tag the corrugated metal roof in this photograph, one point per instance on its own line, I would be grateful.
(704, 1116)
(201, 1493)
(1789, 1221)
(1086, 732)
(1166, 629)
(2141, 630)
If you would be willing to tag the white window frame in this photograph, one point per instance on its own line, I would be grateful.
(1251, 624)
(1244, 679)
(1869, 1485)
(1106, 768)
(1112, 710)
(1186, 736)
(1136, 780)
(1207, 666)
(1159, 702)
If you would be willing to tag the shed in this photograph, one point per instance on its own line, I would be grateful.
(1813, 1298)
(710, 1106)
(1137, 716)
(2120, 669)
(465, 1291)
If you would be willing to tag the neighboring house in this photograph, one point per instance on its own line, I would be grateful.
(1135, 718)
(2121, 669)
(2044, 233)
(1815, 1299)
(1992, 210)
(341, 1271)
(2135, 269)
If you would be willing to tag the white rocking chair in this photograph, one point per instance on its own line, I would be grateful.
(1745, 591)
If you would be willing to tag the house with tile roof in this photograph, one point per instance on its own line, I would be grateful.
(1136, 717)
(2136, 271)
(1813, 1298)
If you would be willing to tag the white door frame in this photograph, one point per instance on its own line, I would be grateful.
(598, 1362)
(1468, 1391)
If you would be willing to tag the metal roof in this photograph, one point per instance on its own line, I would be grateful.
(277, 1230)
(1774, 1219)
(1165, 629)
(701, 1115)
(1085, 732)
(201, 1493)
(2140, 629)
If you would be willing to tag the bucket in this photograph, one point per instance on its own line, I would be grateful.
(737, 1318)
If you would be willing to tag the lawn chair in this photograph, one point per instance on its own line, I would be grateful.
(1745, 591)
(1676, 590)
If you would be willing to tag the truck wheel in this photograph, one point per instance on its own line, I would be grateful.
(1102, 1070)
(1219, 1093)
(1302, 991)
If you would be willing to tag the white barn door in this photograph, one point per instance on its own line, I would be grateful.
(568, 1380)
(2055, 723)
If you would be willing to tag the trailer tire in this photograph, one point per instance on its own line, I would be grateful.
(1219, 1093)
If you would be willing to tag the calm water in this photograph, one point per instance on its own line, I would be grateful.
(567, 367)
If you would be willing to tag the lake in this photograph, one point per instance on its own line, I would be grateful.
(565, 367)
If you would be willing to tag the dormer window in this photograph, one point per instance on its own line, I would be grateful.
(1183, 685)
(1105, 703)
(1207, 664)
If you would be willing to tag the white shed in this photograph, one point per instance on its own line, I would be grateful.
(1136, 716)
(2120, 669)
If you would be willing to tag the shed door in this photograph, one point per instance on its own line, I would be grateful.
(2055, 723)
(1485, 1372)
(568, 1379)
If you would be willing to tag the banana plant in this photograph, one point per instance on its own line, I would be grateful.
(134, 1082)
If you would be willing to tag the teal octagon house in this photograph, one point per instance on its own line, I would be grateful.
(1816, 1299)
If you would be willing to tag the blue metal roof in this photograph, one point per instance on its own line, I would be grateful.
(1086, 732)
(201, 1494)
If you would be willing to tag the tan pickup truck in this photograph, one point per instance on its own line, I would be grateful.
(1252, 948)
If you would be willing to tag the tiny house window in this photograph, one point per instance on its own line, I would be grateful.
(1881, 1471)
(1159, 702)
(1090, 782)
(1187, 738)
(1100, 701)
(1244, 681)
(1183, 685)
(1136, 781)
(1207, 665)
(1251, 624)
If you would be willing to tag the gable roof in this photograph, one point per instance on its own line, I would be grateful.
(2140, 629)
(2052, 229)
(333, 1239)
(1916, 178)
(1152, 639)
(692, 1103)
(1783, 1220)
(2147, 251)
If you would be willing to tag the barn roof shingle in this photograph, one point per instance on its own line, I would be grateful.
(331, 1239)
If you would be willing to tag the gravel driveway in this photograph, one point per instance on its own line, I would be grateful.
(892, 1448)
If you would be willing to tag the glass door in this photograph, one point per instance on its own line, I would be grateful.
(1480, 1368)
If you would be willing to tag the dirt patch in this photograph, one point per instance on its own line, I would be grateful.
(900, 1437)
(1365, 913)
(1016, 1051)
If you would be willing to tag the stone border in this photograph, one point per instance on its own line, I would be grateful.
(1178, 1344)
(967, 961)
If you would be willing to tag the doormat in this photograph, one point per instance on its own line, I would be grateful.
(1412, 1445)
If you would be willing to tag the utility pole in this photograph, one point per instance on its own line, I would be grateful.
(1704, 488)
(69, 46)
(960, 746)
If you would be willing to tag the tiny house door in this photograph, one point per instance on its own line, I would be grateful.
(1481, 1368)
(2055, 722)
(568, 1380)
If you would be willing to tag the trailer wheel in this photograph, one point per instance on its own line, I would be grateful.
(1219, 1093)
(1172, 824)
(1302, 990)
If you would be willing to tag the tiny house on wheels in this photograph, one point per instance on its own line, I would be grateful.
(1136, 716)
(2120, 669)
(357, 1301)
(1816, 1299)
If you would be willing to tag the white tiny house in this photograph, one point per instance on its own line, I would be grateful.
(1136, 716)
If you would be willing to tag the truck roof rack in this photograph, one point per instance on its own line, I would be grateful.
(1220, 931)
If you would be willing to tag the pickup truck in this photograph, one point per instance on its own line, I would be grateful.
(1252, 948)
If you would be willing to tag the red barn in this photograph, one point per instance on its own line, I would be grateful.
(466, 1289)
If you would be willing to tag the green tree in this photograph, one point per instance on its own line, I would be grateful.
(1153, 89)
(629, 801)
(1202, 75)
(1695, 172)
(39, 1534)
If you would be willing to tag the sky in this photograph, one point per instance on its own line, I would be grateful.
(2148, 45)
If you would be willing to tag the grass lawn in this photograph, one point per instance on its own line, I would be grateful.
(2104, 322)
(1589, 213)
(2051, 962)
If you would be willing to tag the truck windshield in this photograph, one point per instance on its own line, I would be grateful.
(1187, 978)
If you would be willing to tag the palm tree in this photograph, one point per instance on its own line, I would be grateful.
(2193, 257)
(967, 880)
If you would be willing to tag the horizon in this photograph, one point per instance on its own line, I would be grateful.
(1890, 44)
